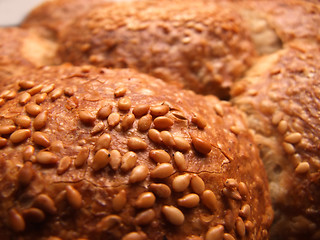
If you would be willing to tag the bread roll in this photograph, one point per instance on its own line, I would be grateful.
(112, 154)
(280, 95)
(53, 15)
(201, 45)
(21, 49)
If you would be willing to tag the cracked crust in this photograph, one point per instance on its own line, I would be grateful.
(280, 96)
(199, 45)
(223, 167)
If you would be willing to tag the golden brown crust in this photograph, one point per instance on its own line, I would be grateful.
(53, 160)
(281, 98)
(291, 19)
(51, 17)
(199, 45)
(21, 49)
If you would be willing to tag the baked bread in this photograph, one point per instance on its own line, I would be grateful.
(53, 15)
(20, 49)
(280, 96)
(112, 154)
(200, 45)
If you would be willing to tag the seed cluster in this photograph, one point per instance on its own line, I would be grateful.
(137, 145)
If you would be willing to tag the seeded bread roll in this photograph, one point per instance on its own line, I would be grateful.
(112, 154)
(200, 45)
(20, 49)
(53, 15)
(281, 98)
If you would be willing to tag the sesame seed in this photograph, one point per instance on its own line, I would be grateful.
(129, 160)
(40, 121)
(173, 215)
(33, 109)
(201, 145)
(277, 117)
(114, 119)
(45, 157)
(23, 121)
(44, 202)
(56, 94)
(74, 197)
(282, 126)
(138, 174)
(243, 190)
(81, 157)
(181, 183)
(197, 184)
(64, 165)
(215, 233)
(232, 193)
(160, 189)
(86, 117)
(69, 91)
(3, 142)
(163, 170)
(180, 161)
(245, 211)
(288, 148)
(145, 217)
(33, 215)
(16, 220)
(209, 199)
(145, 200)
(24, 98)
(41, 139)
(302, 168)
(159, 110)
(35, 89)
(189, 201)
(135, 236)
(293, 138)
(48, 88)
(108, 222)
(100, 159)
(119, 201)
(167, 138)
(140, 110)
(120, 92)
(127, 121)
(115, 159)
(144, 123)
(198, 121)
(181, 144)
(240, 227)
(162, 123)
(154, 136)
(159, 156)
(26, 174)
(28, 153)
(99, 127)
(9, 94)
(124, 104)
(136, 144)
(40, 98)
(104, 112)
(26, 84)
(231, 183)
(20, 135)
(219, 110)
(228, 236)
(7, 129)
(103, 141)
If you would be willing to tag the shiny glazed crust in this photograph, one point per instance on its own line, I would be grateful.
(280, 95)
(65, 137)
(203, 46)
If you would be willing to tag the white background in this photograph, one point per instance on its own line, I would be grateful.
(13, 11)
